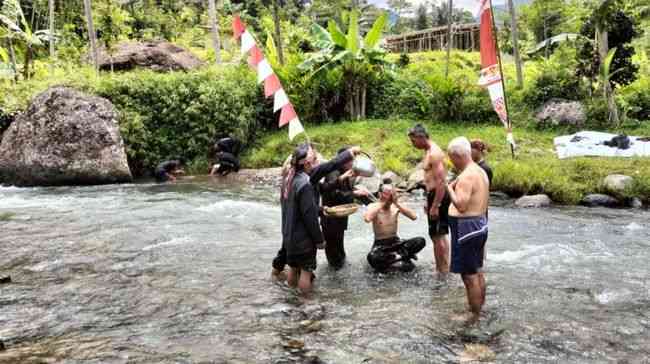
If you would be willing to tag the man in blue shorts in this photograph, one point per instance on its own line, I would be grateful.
(469, 195)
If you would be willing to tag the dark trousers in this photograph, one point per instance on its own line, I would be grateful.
(280, 259)
(334, 249)
(386, 252)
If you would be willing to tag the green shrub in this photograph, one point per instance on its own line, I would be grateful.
(180, 114)
(635, 99)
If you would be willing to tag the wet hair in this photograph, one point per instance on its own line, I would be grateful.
(479, 145)
(418, 131)
(460, 146)
(343, 150)
(299, 155)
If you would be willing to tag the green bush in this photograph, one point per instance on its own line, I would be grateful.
(180, 114)
(635, 99)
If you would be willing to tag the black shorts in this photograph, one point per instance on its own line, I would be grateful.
(468, 238)
(306, 261)
(438, 226)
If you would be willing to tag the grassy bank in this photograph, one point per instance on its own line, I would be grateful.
(535, 170)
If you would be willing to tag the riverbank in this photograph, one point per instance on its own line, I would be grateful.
(536, 169)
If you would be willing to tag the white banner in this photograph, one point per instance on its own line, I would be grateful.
(295, 128)
(498, 101)
(279, 100)
(247, 42)
(264, 70)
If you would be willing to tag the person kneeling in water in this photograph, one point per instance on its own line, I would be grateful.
(388, 248)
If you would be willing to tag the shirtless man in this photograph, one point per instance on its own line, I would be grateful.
(388, 248)
(469, 195)
(437, 199)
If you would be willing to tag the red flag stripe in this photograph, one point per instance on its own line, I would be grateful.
(255, 57)
(287, 114)
(271, 85)
(238, 27)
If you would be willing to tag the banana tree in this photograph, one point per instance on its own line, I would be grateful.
(15, 27)
(358, 59)
(608, 91)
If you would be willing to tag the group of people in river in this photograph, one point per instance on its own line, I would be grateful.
(457, 208)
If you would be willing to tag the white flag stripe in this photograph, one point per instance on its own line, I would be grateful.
(247, 42)
(279, 100)
(264, 70)
(295, 128)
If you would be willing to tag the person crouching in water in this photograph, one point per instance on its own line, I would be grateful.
(301, 234)
(168, 170)
(337, 189)
(227, 157)
(468, 223)
(389, 249)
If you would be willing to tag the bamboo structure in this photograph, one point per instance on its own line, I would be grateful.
(463, 36)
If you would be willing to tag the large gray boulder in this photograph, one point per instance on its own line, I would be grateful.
(561, 112)
(617, 183)
(158, 56)
(533, 201)
(598, 199)
(64, 138)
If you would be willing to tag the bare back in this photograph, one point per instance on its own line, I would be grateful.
(434, 167)
(385, 223)
(475, 180)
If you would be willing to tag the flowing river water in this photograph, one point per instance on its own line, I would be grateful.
(179, 273)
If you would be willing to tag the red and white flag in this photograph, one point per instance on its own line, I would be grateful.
(265, 74)
(491, 77)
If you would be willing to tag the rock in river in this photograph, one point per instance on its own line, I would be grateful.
(533, 201)
(600, 200)
(64, 138)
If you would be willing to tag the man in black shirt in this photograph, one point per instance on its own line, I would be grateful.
(337, 189)
(315, 173)
(227, 156)
(168, 170)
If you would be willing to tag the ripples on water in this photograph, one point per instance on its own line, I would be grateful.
(179, 274)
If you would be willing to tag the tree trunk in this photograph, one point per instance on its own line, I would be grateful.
(363, 101)
(51, 9)
(515, 44)
(603, 49)
(449, 21)
(12, 59)
(28, 60)
(278, 33)
(216, 41)
(92, 36)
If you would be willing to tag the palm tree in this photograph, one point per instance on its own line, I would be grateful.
(515, 44)
(92, 36)
(358, 59)
(602, 42)
(216, 41)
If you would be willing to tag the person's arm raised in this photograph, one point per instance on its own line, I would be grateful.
(405, 210)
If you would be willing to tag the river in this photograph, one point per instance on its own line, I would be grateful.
(179, 273)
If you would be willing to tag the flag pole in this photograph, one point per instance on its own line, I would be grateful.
(503, 80)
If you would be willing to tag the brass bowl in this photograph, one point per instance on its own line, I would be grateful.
(341, 210)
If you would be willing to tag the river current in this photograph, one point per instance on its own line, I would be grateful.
(180, 273)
